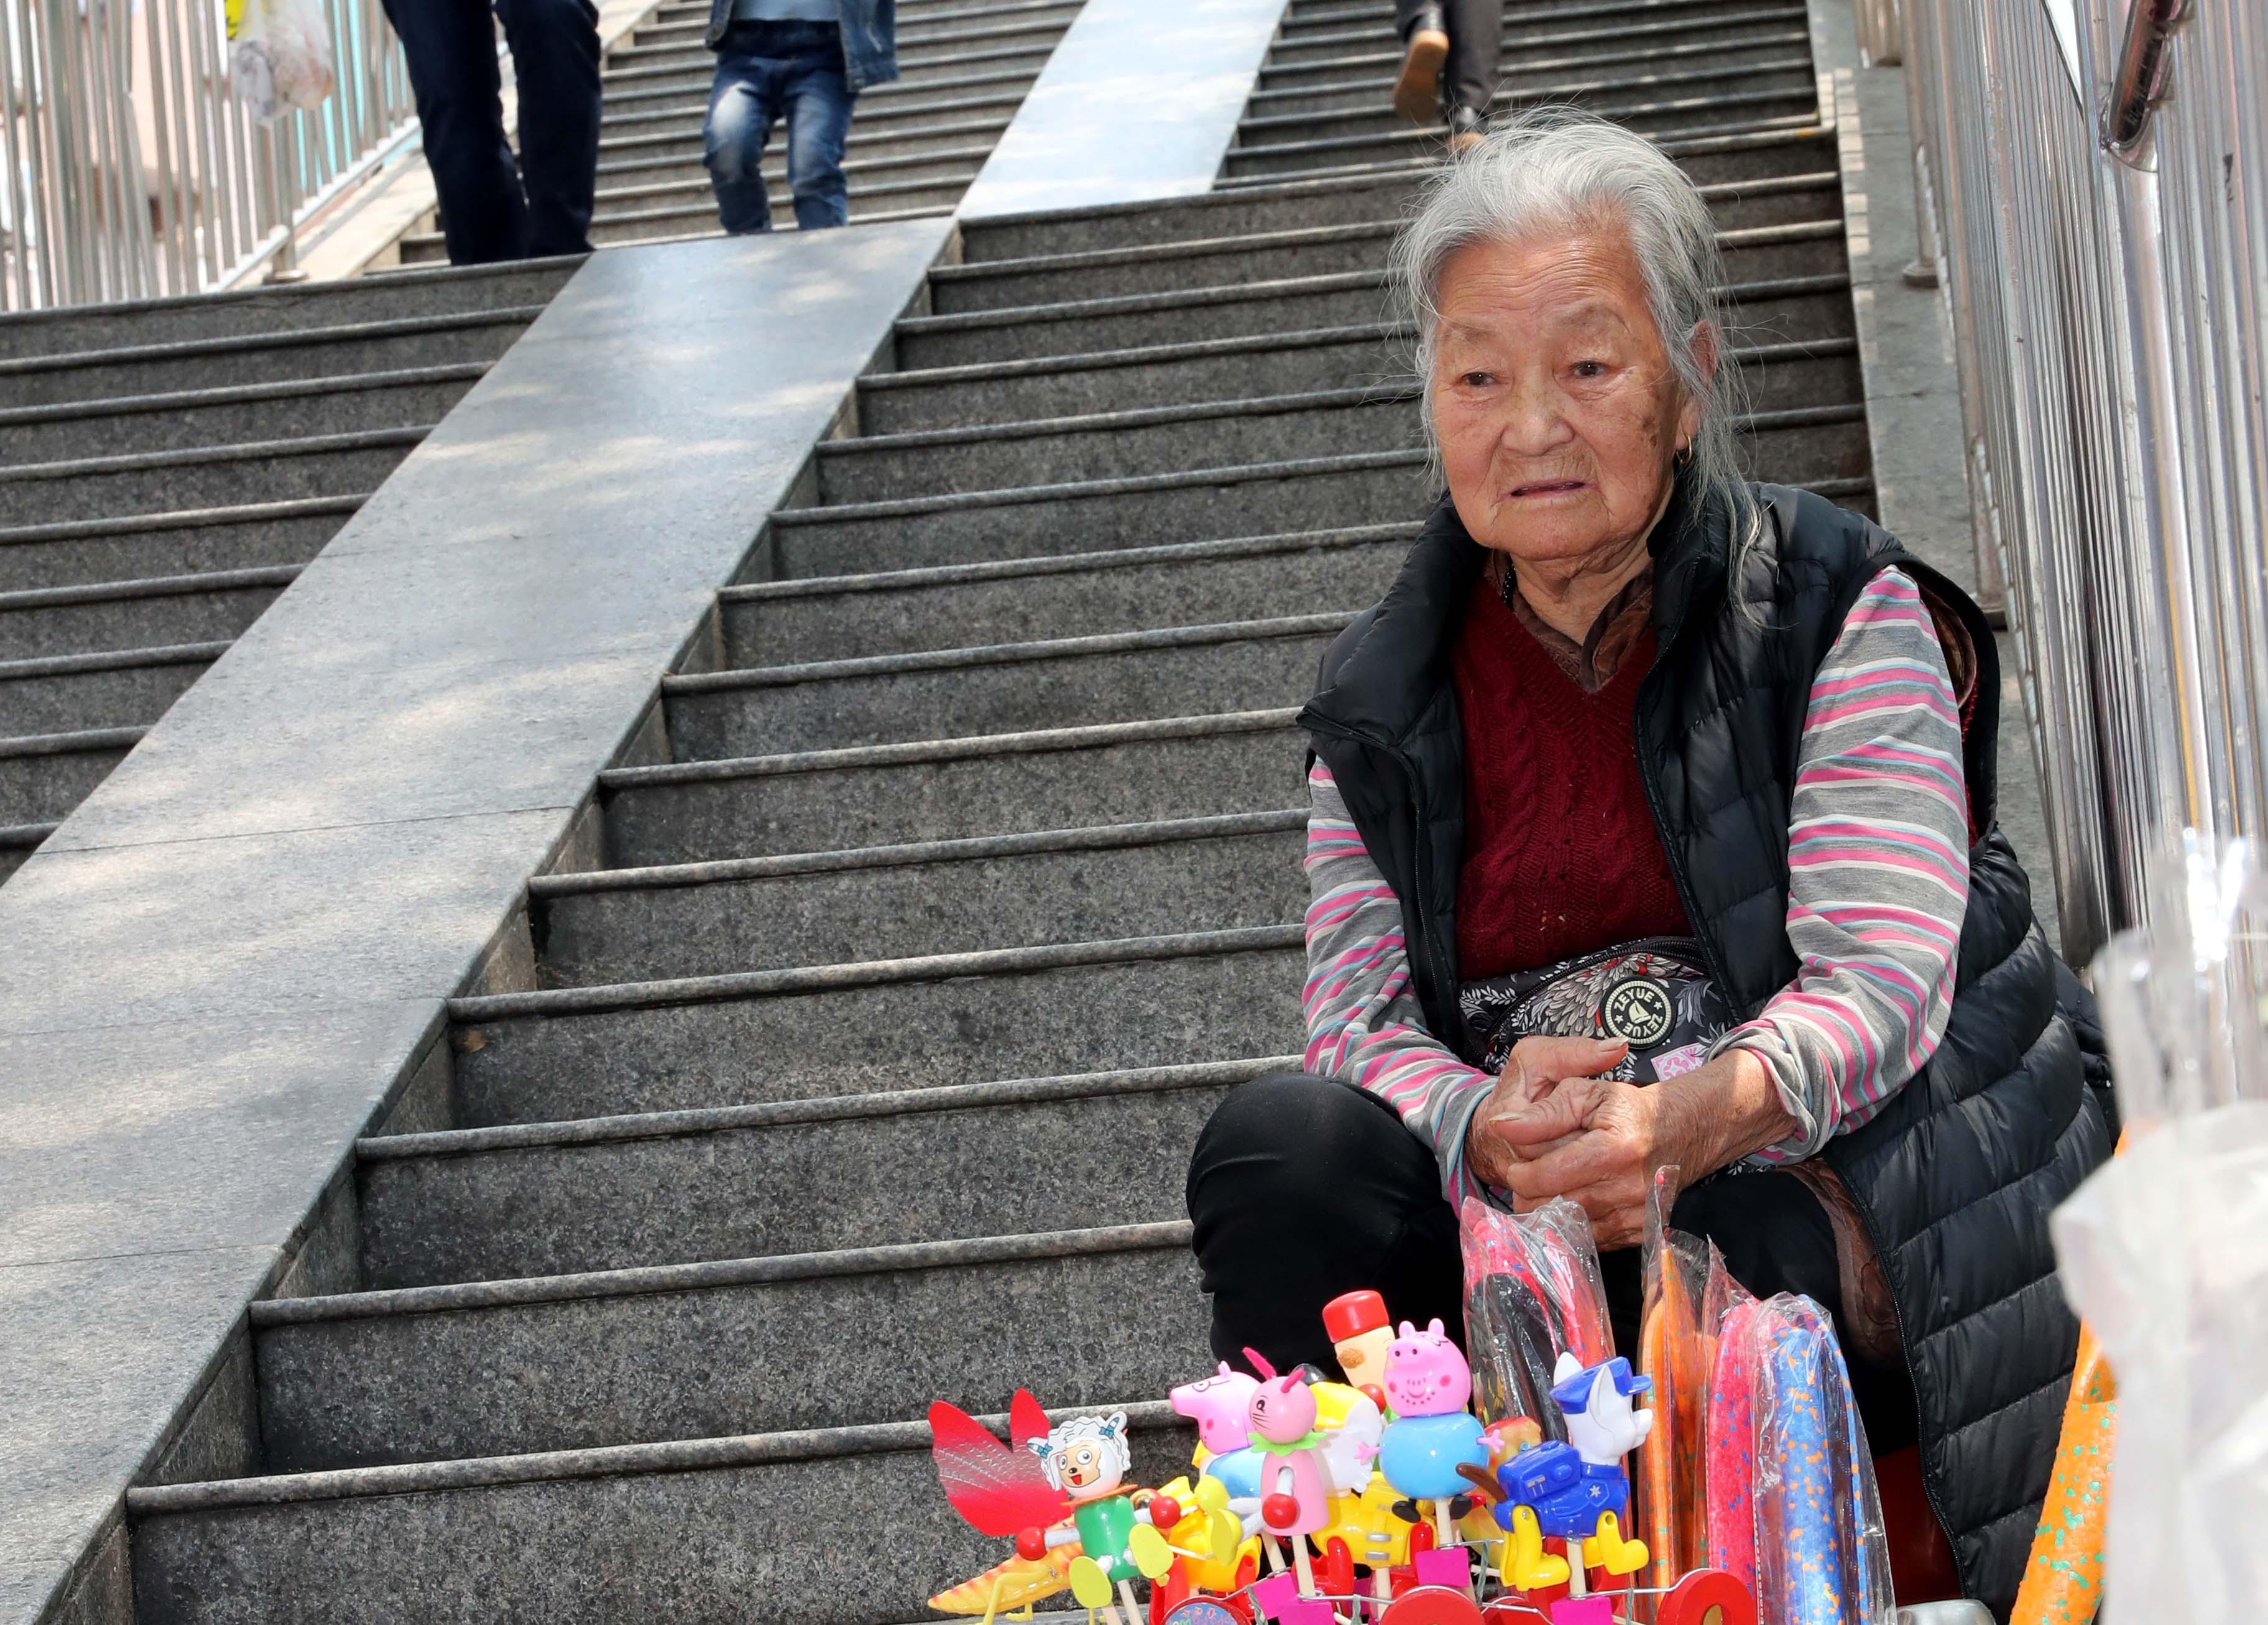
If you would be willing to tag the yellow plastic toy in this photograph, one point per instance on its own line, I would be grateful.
(2062, 1578)
(1016, 1583)
(1209, 1536)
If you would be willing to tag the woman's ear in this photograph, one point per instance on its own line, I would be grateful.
(1702, 347)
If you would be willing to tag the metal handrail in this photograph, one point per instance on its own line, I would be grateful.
(2139, 82)
(129, 170)
(2111, 327)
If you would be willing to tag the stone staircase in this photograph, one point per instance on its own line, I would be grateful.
(855, 1059)
(915, 143)
(166, 467)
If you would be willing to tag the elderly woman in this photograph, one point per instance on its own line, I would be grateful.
(1653, 829)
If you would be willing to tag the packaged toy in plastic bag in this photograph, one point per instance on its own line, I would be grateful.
(279, 55)
(1821, 1554)
(1533, 1292)
(2164, 1249)
(1675, 1353)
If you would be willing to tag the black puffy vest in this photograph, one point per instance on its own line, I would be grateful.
(1955, 1176)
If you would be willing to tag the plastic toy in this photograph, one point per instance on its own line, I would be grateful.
(1219, 1404)
(1293, 1500)
(1312, 1504)
(1433, 1435)
(1578, 1491)
(2062, 1578)
(1051, 1488)
(1359, 1333)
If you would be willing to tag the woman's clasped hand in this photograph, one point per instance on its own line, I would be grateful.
(1552, 1127)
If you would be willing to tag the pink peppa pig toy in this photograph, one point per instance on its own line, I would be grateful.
(1294, 1499)
(1220, 1405)
(1433, 1435)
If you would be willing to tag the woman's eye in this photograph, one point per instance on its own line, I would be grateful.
(1476, 381)
(1590, 369)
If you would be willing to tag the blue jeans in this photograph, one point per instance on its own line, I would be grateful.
(766, 71)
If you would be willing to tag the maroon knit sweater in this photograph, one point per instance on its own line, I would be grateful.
(1561, 856)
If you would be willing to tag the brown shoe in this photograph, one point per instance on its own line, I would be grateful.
(1466, 128)
(1417, 88)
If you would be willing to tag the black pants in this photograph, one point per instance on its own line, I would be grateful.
(492, 209)
(1476, 46)
(1302, 1188)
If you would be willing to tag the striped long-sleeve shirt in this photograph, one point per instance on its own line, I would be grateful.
(1878, 881)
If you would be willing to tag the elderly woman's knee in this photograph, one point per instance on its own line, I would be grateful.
(1306, 1148)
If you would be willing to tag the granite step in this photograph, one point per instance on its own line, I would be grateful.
(943, 74)
(19, 842)
(1275, 206)
(675, 116)
(1118, 445)
(1308, 37)
(138, 614)
(1199, 504)
(988, 392)
(753, 1036)
(1306, 251)
(1643, 94)
(180, 419)
(676, 1351)
(1074, 594)
(1755, 258)
(907, 129)
(1542, 51)
(695, 214)
(643, 113)
(926, 897)
(1673, 124)
(601, 1194)
(952, 693)
(43, 776)
(686, 1532)
(478, 292)
(678, 181)
(189, 543)
(1355, 88)
(1030, 29)
(1817, 446)
(1374, 356)
(1077, 327)
(259, 358)
(663, 162)
(70, 693)
(1047, 779)
(93, 488)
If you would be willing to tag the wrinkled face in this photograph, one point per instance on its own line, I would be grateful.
(1554, 399)
(1087, 1465)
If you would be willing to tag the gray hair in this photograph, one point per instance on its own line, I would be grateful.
(1552, 170)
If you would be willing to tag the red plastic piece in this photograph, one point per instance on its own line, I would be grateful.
(1279, 1511)
(1690, 1602)
(1164, 1512)
(1351, 1314)
(1168, 1592)
(1335, 1574)
(1431, 1604)
(1031, 1544)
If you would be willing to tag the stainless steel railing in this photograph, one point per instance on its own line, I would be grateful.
(2096, 171)
(128, 170)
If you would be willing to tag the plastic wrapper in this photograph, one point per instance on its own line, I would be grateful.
(279, 55)
(2164, 1251)
(1821, 1556)
(1674, 1350)
(1533, 1291)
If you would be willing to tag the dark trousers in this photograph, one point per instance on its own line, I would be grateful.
(492, 208)
(1476, 29)
(1302, 1188)
(766, 71)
